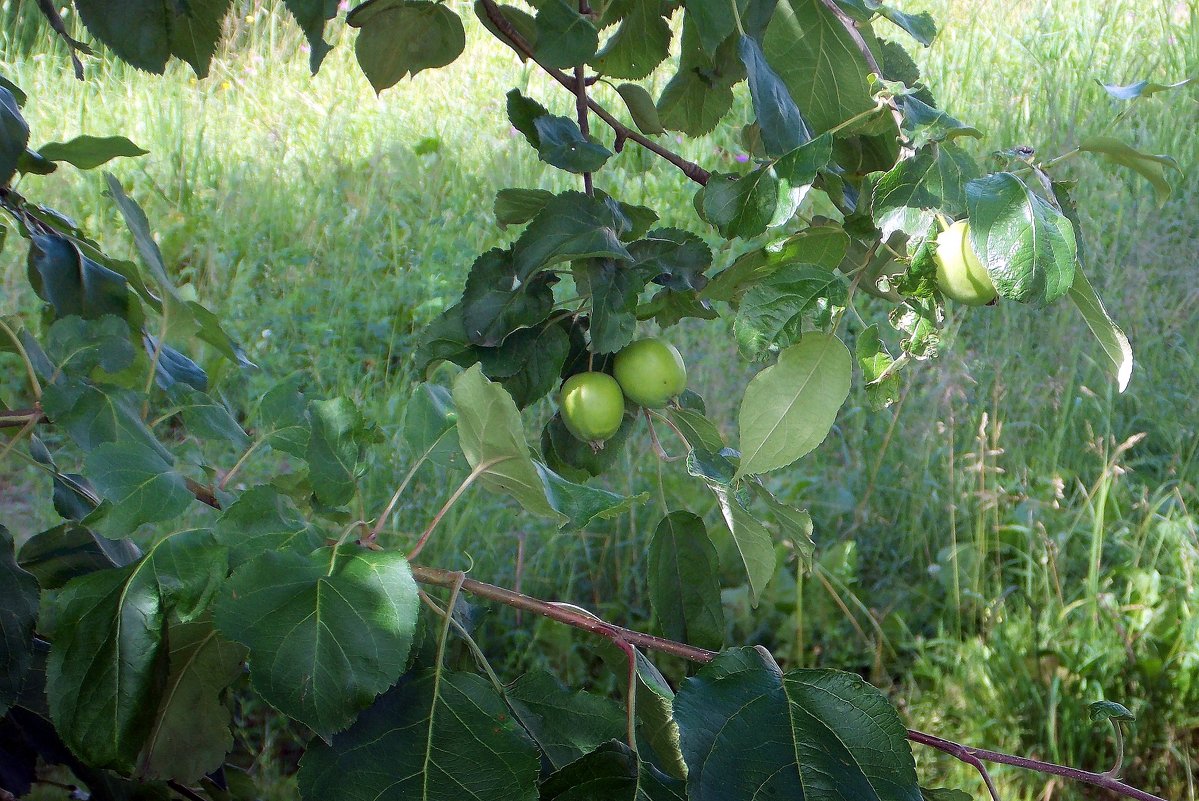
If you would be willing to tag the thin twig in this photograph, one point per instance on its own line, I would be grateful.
(690, 169)
(74, 45)
(16, 418)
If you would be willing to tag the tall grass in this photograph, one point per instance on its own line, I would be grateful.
(1012, 540)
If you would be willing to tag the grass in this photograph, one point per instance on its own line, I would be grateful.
(1012, 541)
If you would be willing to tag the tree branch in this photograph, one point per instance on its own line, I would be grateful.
(18, 418)
(690, 169)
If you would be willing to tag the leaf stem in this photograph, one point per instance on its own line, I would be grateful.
(463, 487)
(237, 466)
(34, 384)
(692, 170)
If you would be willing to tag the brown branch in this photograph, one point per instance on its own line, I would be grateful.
(73, 45)
(970, 755)
(690, 169)
(18, 418)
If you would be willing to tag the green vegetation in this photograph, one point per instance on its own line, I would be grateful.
(1026, 536)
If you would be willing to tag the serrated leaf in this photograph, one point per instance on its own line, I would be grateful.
(521, 21)
(713, 21)
(327, 632)
(581, 504)
(773, 310)
(571, 226)
(639, 45)
(752, 540)
(818, 734)
(522, 112)
(497, 302)
(79, 346)
(674, 258)
(824, 245)
(400, 38)
(563, 145)
(920, 27)
(741, 205)
(926, 124)
(531, 359)
(108, 659)
(692, 106)
(790, 407)
(435, 737)
(137, 31)
(564, 36)
(334, 447)
(783, 127)
(190, 734)
(934, 180)
(697, 430)
(206, 417)
(518, 206)
(89, 152)
(1152, 168)
(1027, 246)
(641, 108)
(565, 723)
(874, 361)
(260, 520)
(92, 416)
(142, 486)
(611, 772)
(683, 581)
(794, 525)
(1139, 89)
(18, 616)
(613, 290)
(492, 438)
(282, 418)
(800, 166)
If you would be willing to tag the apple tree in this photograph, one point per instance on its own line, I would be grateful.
(174, 580)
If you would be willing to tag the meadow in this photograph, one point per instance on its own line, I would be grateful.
(1011, 541)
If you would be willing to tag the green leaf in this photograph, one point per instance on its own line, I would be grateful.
(1110, 710)
(140, 483)
(713, 21)
(698, 430)
(282, 418)
(571, 226)
(613, 290)
(92, 416)
(581, 504)
(334, 447)
(79, 346)
(799, 167)
(1140, 89)
(934, 180)
(926, 124)
(206, 417)
(496, 302)
(741, 206)
(109, 657)
(783, 127)
(772, 312)
(399, 38)
(564, 146)
(874, 361)
(789, 407)
(327, 632)
(521, 21)
(312, 15)
(674, 258)
(824, 245)
(195, 30)
(263, 520)
(522, 112)
(638, 46)
(190, 734)
(435, 737)
(565, 723)
(518, 206)
(1152, 168)
(683, 584)
(794, 525)
(654, 699)
(817, 734)
(493, 439)
(920, 27)
(137, 31)
(1028, 247)
(575, 459)
(32, 163)
(700, 93)
(429, 426)
(72, 283)
(89, 152)
(1113, 340)
(612, 772)
(60, 554)
(818, 62)
(752, 540)
(18, 616)
(641, 108)
(564, 36)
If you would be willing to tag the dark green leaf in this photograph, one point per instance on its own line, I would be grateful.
(327, 632)
(1110, 710)
(72, 283)
(641, 108)
(571, 226)
(79, 346)
(88, 152)
(800, 166)
(772, 312)
(581, 504)
(263, 520)
(674, 258)
(312, 15)
(713, 21)
(613, 289)
(14, 136)
(444, 737)
(137, 31)
(824, 245)
(18, 616)
(445, 339)
(206, 417)
(794, 525)
(750, 537)
(944, 794)
(639, 45)
(338, 434)
(282, 418)
(565, 723)
(783, 127)
(60, 554)
(609, 773)
(741, 205)
(522, 112)
(570, 456)
(564, 146)
(920, 27)
(520, 20)
(195, 30)
(139, 226)
(173, 368)
(816, 734)
(683, 585)
(564, 36)
(429, 426)
(109, 659)
(518, 206)
(700, 93)
(33, 163)
(496, 301)
(140, 483)
(399, 38)
(92, 416)
(1028, 247)
(533, 359)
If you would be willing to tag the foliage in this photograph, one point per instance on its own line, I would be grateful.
(293, 572)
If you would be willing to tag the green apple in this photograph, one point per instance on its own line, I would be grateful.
(961, 276)
(651, 372)
(592, 406)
